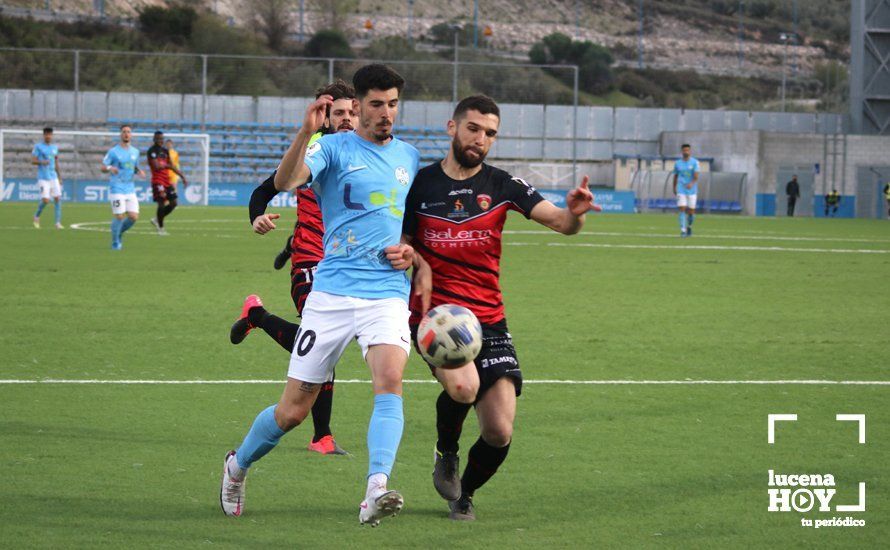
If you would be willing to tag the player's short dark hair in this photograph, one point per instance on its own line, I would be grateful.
(126, 126)
(337, 89)
(158, 133)
(376, 76)
(47, 130)
(685, 145)
(481, 103)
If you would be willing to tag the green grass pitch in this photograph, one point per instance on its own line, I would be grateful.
(685, 466)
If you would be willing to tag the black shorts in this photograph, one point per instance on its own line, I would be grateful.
(301, 277)
(496, 359)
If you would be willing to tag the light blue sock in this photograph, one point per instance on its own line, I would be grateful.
(127, 224)
(689, 219)
(683, 221)
(384, 433)
(58, 212)
(116, 230)
(262, 438)
(40, 206)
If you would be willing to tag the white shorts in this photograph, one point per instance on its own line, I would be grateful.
(49, 189)
(124, 203)
(330, 322)
(687, 200)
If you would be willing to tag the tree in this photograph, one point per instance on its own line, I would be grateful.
(169, 24)
(328, 43)
(275, 18)
(336, 12)
(594, 61)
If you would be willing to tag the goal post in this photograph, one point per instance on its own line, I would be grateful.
(80, 157)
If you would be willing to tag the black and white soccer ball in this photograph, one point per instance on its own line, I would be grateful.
(449, 336)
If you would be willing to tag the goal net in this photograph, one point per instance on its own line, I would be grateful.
(80, 158)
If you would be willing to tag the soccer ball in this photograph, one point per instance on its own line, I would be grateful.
(449, 336)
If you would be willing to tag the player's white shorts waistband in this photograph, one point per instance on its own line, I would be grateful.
(124, 203)
(689, 201)
(330, 322)
(49, 189)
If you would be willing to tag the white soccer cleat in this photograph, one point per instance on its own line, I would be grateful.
(231, 492)
(384, 504)
(36, 222)
(60, 226)
(154, 222)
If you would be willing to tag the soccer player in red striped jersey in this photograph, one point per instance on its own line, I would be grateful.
(454, 218)
(162, 189)
(305, 250)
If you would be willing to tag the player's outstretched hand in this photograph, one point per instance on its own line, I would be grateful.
(317, 112)
(580, 200)
(401, 256)
(263, 224)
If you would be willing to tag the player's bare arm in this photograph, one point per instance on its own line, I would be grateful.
(109, 169)
(675, 183)
(694, 180)
(58, 171)
(37, 162)
(293, 172)
(568, 220)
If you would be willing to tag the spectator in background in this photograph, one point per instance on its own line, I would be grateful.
(887, 197)
(832, 202)
(793, 192)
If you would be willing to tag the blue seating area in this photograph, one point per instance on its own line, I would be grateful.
(711, 206)
(246, 151)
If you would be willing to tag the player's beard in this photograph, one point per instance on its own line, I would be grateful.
(461, 156)
(345, 126)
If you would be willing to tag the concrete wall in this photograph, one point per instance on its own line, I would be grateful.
(762, 155)
(540, 132)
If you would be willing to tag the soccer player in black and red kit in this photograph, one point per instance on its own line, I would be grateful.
(454, 218)
(305, 250)
(162, 190)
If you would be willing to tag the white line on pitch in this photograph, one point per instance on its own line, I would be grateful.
(774, 237)
(431, 381)
(710, 247)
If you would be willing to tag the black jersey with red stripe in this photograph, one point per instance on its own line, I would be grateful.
(308, 233)
(456, 225)
(161, 158)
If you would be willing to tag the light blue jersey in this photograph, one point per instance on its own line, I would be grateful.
(361, 188)
(126, 160)
(48, 152)
(685, 170)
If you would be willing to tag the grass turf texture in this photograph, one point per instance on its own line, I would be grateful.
(682, 466)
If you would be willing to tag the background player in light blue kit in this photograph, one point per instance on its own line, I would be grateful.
(122, 162)
(45, 156)
(686, 172)
(360, 289)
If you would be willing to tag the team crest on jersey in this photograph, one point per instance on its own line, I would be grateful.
(402, 176)
(484, 202)
(314, 148)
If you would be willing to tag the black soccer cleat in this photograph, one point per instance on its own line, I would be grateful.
(283, 256)
(462, 509)
(445, 475)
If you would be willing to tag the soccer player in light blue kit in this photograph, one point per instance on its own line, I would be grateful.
(686, 172)
(122, 162)
(360, 291)
(45, 156)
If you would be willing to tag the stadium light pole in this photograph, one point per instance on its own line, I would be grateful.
(411, 22)
(302, 16)
(785, 38)
(741, 38)
(456, 29)
(640, 35)
(475, 24)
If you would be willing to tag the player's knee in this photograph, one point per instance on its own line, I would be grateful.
(498, 436)
(464, 392)
(133, 216)
(290, 416)
(45, 201)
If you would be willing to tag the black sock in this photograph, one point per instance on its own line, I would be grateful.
(321, 411)
(161, 214)
(483, 461)
(283, 332)
(450, 416)
(171, 206)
